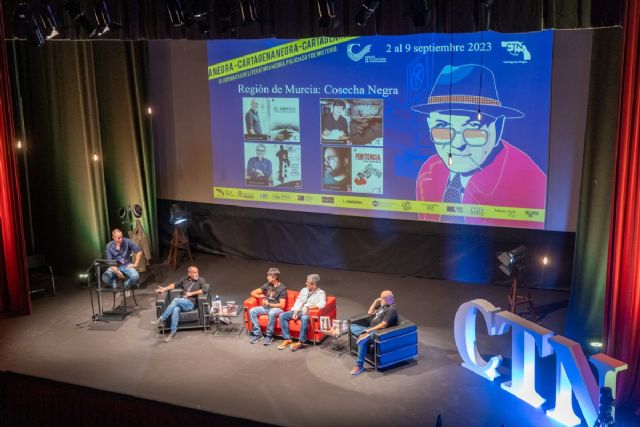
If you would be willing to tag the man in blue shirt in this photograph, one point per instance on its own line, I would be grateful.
(123, 251)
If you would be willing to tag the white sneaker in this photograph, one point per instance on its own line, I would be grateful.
(170, 337)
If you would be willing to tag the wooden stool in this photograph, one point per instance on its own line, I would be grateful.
(178, 242)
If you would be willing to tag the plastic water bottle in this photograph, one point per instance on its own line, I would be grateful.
(217, 304)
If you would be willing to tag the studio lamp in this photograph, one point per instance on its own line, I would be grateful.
(512, 264)
(509, 260)
(179, 240)
(80, 17)
(177, 215)
(28, 27)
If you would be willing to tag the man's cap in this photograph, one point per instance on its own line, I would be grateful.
(469, 87)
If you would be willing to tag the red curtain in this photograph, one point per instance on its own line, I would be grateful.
(14, 287)
(622, 307)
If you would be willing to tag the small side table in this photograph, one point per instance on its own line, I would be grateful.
(224, 324)
(335, 342)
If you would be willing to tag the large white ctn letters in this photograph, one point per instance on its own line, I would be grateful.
(573, 376)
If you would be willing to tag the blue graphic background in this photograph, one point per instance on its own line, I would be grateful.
(521, 84)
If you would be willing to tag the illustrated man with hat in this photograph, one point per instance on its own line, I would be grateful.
(473, 164)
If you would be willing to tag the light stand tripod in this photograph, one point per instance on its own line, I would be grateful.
(605, 417)
(178, 241)
(96, 316)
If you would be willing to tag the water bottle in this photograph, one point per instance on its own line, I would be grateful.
(217, 304)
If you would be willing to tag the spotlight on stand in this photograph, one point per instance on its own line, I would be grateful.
(27, 25)
(326, 12)
(78, 15)
(177, 215)
(512, 263)
(512, 259)
(179, 241)
(367, 9)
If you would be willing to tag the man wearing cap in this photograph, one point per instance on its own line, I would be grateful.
(310, 297)
(472, 164)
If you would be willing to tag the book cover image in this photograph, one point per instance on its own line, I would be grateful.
(368, 170)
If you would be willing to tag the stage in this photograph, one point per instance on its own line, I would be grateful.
(228, 375)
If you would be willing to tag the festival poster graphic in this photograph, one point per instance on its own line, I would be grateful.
(460, 122)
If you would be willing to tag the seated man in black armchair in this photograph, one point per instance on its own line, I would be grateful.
(191, 287)
(384, 314)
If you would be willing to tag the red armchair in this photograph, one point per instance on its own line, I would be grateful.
(294, 326)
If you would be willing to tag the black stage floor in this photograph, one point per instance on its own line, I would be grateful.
(229, 376)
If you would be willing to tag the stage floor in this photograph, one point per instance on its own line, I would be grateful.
(227, 375)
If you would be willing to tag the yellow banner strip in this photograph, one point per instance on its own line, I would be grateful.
(267, 56)
(374, 203)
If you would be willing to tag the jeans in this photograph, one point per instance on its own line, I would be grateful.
(130, 274)
(356, 331)
(174, 309)
(256, 312)
(284, 324)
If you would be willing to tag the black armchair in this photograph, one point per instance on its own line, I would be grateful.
(188, 319)
(388, 346)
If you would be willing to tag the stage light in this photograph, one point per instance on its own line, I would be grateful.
(248, 11)
(450, 160)
(49, 19)
(545, 260)
(19, 145)
(177, 215)
(122, 213)
(27, 25)
(367, 9)
(102, 12)
(326, 12)
(149, 111)
(176, 13)
(421, 12)
(202, 20)
(137, 211)
(511, 259)
(479, 116)
(595, 344)
(223, 12)
(95, 157)
(78, 15)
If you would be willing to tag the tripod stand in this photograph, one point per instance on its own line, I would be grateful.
(605, 418)
(96, 316)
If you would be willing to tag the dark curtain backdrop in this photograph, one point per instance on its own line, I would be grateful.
(586, 307)
(149, 19)
(14, 289)
(80, 100)
(622, 306)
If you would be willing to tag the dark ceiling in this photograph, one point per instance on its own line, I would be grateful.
(196, 19)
